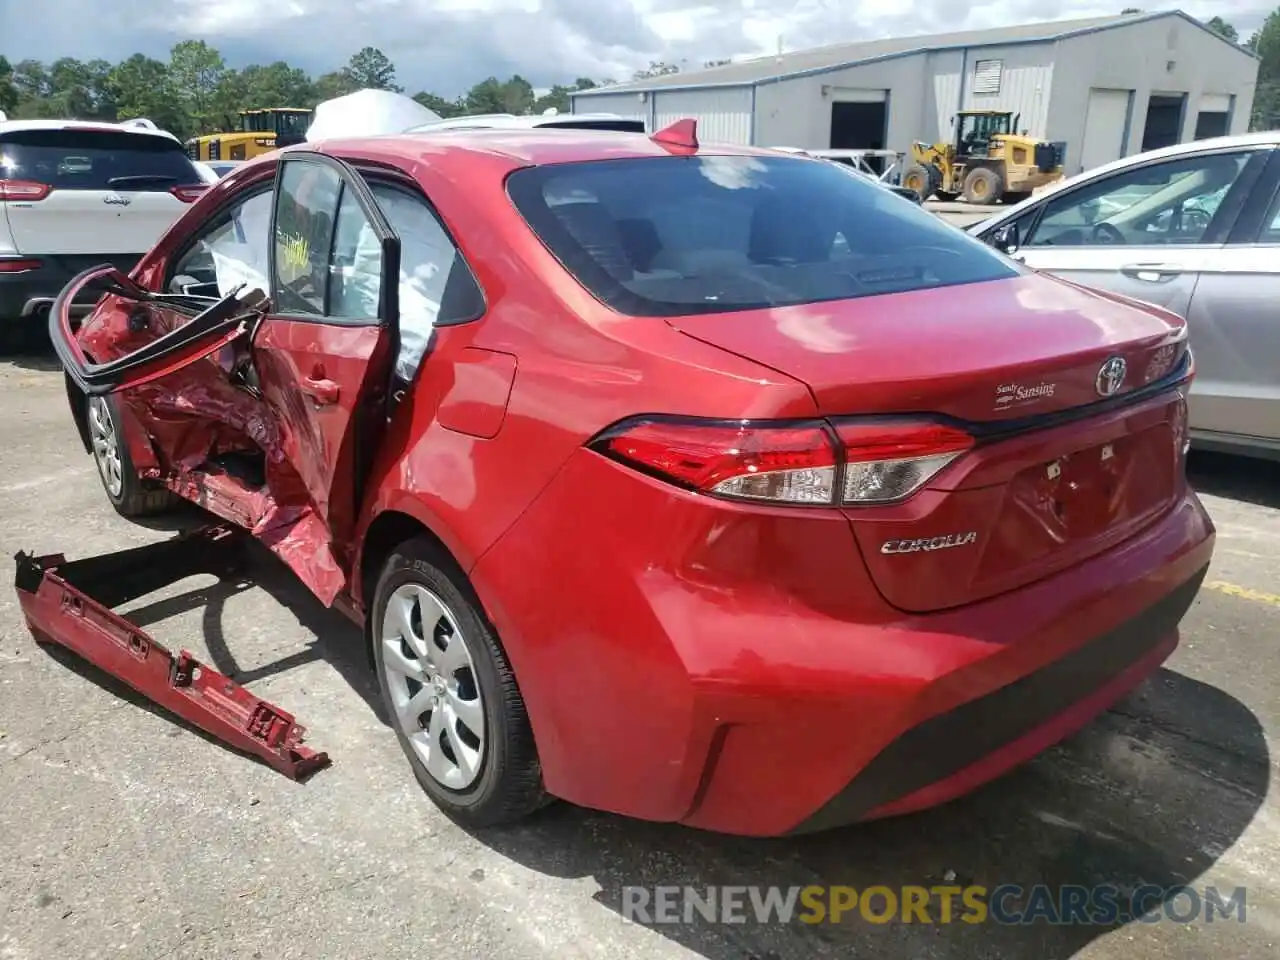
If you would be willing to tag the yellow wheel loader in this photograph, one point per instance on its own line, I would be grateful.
(261, 131)
(987, 162)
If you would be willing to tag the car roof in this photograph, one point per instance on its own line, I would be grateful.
(14, 126)
(517, 146)
(1266, 138)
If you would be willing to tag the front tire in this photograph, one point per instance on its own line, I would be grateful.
(450, 693)
(920, 179)
(126, 491)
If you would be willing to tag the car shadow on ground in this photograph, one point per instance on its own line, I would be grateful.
(1232, 477)
(34, 352)
(1150, 794)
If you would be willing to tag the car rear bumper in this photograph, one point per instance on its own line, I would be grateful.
(731, 668)
(28, 295)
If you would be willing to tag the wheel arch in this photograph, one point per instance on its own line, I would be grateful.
(385, 532)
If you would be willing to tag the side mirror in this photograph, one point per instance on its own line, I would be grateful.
(1007, 239)
(907, 194)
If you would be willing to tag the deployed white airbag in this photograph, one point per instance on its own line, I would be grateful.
(367, 113)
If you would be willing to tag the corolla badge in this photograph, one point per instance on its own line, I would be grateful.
(115, 200)
(930, 544)
(1111, 376)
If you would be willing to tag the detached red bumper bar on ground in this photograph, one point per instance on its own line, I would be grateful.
(70, 603)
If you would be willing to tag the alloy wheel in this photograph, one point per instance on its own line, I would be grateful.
(106, 446)
(432, 680)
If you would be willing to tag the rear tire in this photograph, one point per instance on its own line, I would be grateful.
(982, 186)
(128, 493)
(1014, 196)
(442, 674)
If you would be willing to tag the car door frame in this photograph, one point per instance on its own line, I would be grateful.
(386, 315)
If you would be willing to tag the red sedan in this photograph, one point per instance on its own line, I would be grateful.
(699, 484)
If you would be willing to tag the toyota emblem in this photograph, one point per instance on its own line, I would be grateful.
(1111, 376)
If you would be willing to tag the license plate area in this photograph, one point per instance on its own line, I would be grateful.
(1086, 493)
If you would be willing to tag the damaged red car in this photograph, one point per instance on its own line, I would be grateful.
(698, 484)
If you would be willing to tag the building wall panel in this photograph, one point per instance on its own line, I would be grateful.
(1169, 56)
(723, 113)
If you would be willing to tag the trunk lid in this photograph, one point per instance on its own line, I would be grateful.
(1047, 485)
(992, 351)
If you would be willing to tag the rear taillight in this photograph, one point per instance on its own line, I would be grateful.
(24, 190)
(190, 193)
(817, 463)
(18, 264)
(888, 460)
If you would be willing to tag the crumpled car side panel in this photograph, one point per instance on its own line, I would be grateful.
(196, 417)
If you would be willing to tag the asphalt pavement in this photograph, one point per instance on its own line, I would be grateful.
(960, 213)
(126, 834)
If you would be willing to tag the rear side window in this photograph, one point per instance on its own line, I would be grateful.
(96, 160)
(667, 236)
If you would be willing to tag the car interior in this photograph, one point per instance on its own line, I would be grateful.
(1172, 203)
(722, 240)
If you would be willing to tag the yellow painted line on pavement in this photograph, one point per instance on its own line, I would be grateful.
(1244, 593)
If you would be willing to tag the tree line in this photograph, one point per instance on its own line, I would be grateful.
(195, 92)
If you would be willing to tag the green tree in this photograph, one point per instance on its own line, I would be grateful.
(1266, 98)
(1223, 29)
(370, 68)
(439, 105)
(558, 96)
(494, 96)
(31, 81)
(80, 90)
(195, 72)
(8, 92)
(335, 84)
(140, 87)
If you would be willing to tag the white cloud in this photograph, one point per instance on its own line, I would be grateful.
(447, 45)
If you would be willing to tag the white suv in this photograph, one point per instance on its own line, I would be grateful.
(76, 194)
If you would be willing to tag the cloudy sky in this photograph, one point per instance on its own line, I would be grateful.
(447, 45)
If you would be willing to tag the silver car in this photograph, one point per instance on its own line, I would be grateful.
(1194, 228)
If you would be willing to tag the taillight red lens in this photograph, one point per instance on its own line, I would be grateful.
(888, 460)
(23, 190)
(790, 464)
(18, 264)
(190, 193)
(878, 461)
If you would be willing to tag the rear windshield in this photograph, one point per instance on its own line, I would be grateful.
(683, 235)
(95, 160)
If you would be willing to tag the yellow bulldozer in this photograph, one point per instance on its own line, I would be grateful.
(260, 132)
(986, 163)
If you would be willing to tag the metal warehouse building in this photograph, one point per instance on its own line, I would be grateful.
(1107, 87)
